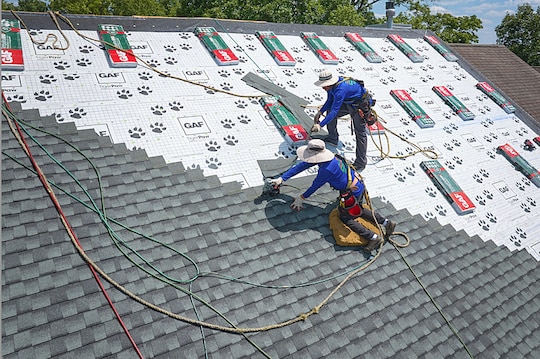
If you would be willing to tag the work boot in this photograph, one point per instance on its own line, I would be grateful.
(389, 229)
(372, 244)
(326, 139)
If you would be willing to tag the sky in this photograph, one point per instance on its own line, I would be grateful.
(491, 12)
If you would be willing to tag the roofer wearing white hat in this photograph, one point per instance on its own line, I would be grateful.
(335, 171)
(345, 96)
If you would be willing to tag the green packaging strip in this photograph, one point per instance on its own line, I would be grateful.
(412, 108)
(494, 95)
(319, 48)
(12, 55)
(449, 188)
(115, 35)
(405, 48)
(218, 48)
(275, 48)
(441, 49)
(520, 163)
(288, 125)
(455, 104)
(358, 42)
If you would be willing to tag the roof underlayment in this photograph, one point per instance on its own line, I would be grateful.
(181, 163)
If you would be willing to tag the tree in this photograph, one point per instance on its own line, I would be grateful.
(520, 33)
(449, 28)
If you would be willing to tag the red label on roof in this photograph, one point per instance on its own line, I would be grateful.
(443, 90)
(118, 56)
(396, 38)
(295, 132)
(225, 55)
(402, 95)
(432, 39)
(327, 55)
(462, 201)
(354, 37)
(509, 150)
(12, 57)
(486, 86)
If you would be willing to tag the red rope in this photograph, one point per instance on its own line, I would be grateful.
(72, 232)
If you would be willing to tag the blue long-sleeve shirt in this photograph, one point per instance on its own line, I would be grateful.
(333, 172)
(349, 90)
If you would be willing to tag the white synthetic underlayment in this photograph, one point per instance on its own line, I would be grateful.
(225, 135)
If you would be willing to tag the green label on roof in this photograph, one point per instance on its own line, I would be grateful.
(12, 55)
(520, 163)
(496, 96)
(119, 52)
(274, 46)
(455, 104)
(449, 188)
(441, 49)
(285, 121)
(405, 48)
(358, 42)
(412, 108)
(219, 49)
(319, 47)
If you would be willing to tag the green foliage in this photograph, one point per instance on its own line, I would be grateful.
(26, 5)
(520, 33)
(449, 28)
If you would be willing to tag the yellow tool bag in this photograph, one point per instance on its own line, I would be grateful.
(344, 236)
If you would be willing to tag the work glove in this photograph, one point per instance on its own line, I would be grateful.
(317, 117)
(298, 204)
(276, 181)
(316, 128)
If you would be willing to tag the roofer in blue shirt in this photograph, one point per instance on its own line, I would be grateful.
(345, 96)
(339, 175)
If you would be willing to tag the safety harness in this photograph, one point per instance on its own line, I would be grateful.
(348, 203)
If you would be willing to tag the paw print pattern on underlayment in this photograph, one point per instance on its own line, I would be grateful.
(71, 77)
(243, 119)
(230, 140)
(61, 65)
(410, 170)
(170, 60)
(224, 73)
(399, 176)
(158, 127)
(440, 210)
(213, 163)
(153, 63)
(42, 95)
(431, 191)
(145, 75)
(169, 48)
(144, 90)
(124, 94)
(136, 132)
(175, 106)
(429, 215)
(212, 146)
(241, 104)
(158, 110)
(84, 62)
(47, 79)
(77, 113)
(86, 49)
(227, 123)
(226, 86)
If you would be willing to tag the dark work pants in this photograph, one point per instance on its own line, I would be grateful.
(359, 130)
(359, 228)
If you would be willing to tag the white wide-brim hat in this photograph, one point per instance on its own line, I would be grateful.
(314, 152)
(326, 78)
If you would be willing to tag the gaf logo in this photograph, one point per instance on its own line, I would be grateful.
(110, 78)
(462, 201)
(193, 125)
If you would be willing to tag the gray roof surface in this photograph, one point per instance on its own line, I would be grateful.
(52, 306)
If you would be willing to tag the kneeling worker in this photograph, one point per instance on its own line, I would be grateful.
(339, 175)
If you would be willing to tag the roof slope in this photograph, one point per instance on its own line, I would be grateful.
(203, 227)
(510, 74)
